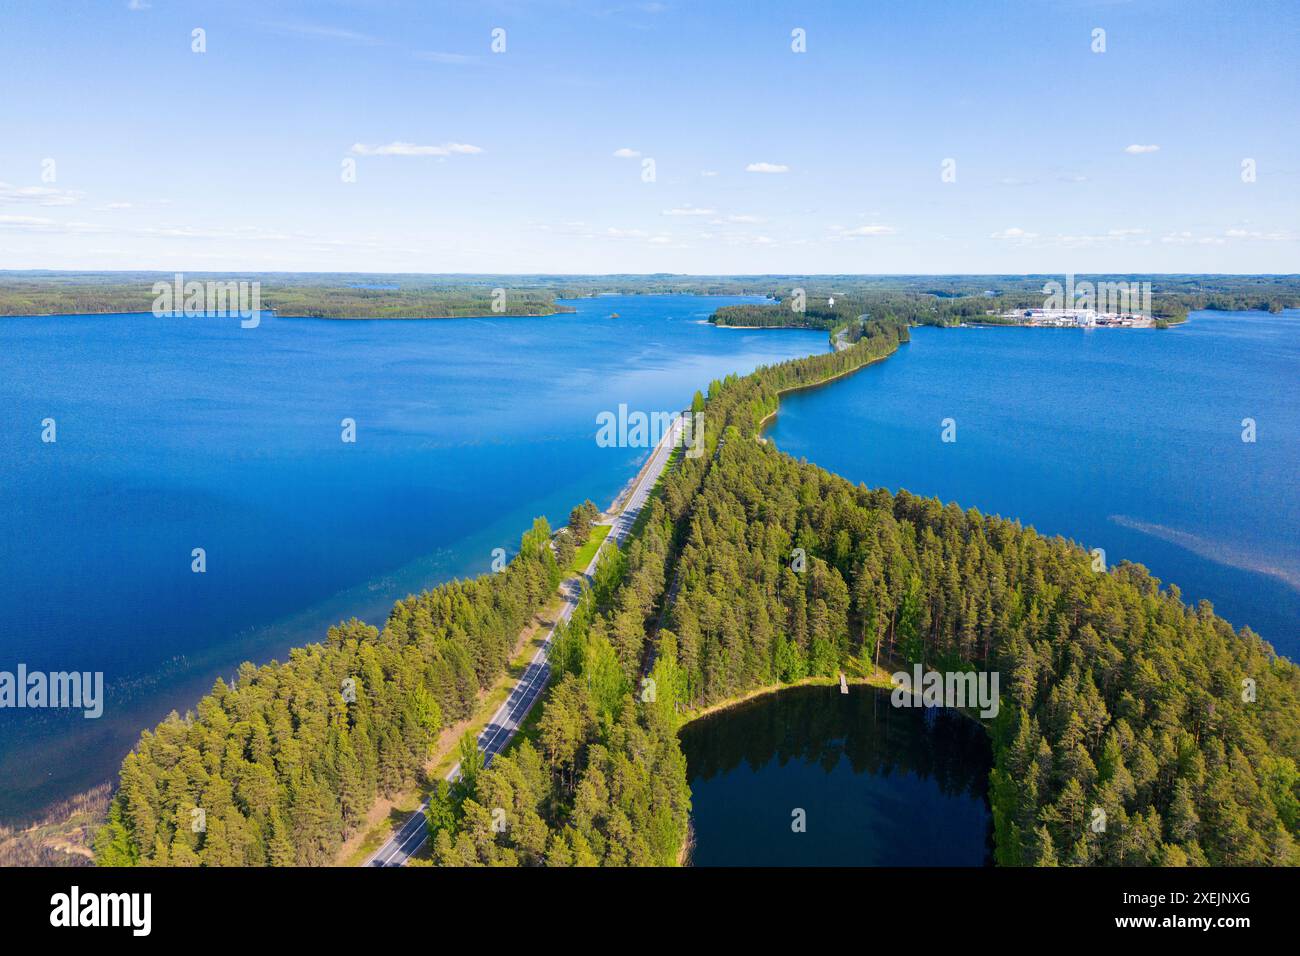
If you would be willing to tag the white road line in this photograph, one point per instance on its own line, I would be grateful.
(620, 527)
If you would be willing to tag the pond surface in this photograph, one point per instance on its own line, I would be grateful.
(877, 785)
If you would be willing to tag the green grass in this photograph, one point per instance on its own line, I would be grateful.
(588, 551)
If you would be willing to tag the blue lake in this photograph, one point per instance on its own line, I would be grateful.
(1125, 440)
(175, 434)
(812, 777)
(182, 433)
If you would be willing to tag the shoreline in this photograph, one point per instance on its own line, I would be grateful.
(762, 425)
(289, 315)
(879, 678)
(767, 690)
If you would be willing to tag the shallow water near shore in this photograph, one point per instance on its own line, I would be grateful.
(1127, 440)
(175, 434)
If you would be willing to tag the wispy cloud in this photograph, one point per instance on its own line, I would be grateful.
(322, 32)
(626, 153)
(1014, 233)
(137, 5)
(767, 168)
(413, 149)
(42, 224)
(874, 229)
(688, 210)
(37, 195)
(1186, 238)
(1137, 148)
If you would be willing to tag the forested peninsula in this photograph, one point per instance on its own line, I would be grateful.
(837, 305)
(1115, 693)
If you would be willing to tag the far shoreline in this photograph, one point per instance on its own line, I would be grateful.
(286, 315)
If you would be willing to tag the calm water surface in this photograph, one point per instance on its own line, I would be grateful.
(1122, 439)
(175, 434)
(879, 785)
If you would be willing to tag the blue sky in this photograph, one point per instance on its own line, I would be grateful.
(765, 160)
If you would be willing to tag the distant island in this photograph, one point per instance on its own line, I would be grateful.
(832, 301)
(839, 304)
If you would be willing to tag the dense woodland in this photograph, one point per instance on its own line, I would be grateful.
(828, 306)
(833, 312)
(287, 762)
(1115, 695)
(329, 295)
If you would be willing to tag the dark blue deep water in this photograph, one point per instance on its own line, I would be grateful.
(1122, 439)
(877, 785)
(175, 434)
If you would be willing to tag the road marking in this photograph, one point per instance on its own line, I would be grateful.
(620, 527)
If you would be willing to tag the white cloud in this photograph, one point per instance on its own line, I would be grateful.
(1186, 238)
(1015, 232)
(137, 5)
(1259, 234)
(688, 210)
(411, 149)
(37, 195)
(41, 224)
(767, 168)
(327, 33)
(22, 222)
(875, 229)
(743, 219)
(708, 172)
(1138, 148)
(626, 153)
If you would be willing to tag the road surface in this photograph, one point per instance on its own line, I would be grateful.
(407, 839)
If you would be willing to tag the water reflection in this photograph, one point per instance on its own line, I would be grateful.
(878, 786)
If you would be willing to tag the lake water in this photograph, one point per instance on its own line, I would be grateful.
(877, 785)
(1122, 439)
(175, 434)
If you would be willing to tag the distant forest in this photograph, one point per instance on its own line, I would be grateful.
(965, 299)
(323, 296)
(927, 300)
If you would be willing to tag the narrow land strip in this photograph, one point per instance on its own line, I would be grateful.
(411, 836)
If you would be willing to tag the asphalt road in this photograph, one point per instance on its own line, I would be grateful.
(407, 839)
